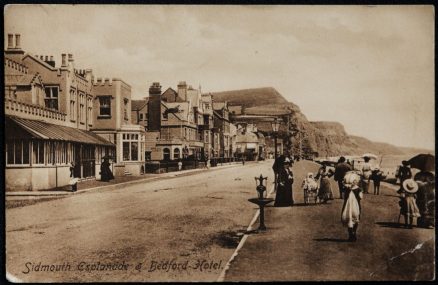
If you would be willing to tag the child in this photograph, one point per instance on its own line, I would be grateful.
(309, 185)
(408, 205)
(377, 176)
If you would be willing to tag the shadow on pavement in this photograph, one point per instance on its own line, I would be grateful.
(331, 239)
(391, 225)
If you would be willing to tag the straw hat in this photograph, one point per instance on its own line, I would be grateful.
(351, 178)
(410, 186)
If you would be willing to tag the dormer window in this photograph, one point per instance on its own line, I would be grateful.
(51, 99)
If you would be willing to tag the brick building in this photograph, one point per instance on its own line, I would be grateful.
(48, 116)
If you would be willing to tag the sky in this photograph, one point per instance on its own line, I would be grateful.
(370, 68)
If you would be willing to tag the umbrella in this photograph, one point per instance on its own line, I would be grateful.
(370, 155)
(425, 162)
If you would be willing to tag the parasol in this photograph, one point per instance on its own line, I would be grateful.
(370, 155)
(425, 162)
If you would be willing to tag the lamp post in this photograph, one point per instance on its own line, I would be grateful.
(275, 126)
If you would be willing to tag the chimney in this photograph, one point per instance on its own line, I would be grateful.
(10, 41)
(154, 107)
(46, 58)
(70, 57)
(17, 41)
(64, 60)
(51, 62)
(182, 90)
(42, 57)
(88, 74)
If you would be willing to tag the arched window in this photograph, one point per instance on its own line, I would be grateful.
(176, 153)
(166, 154)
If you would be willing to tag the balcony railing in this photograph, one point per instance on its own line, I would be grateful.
(14, 107)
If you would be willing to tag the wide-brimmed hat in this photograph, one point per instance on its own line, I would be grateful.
(286, 161)
(351, 178)
(410, 186)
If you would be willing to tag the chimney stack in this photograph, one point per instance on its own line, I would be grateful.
(154, 107)
(47, 58)
(42, 57)
(64, 60)
(70, 57)
(182, 90)
(88, 74)
(51, 62)
(10, 41)
(17, 41)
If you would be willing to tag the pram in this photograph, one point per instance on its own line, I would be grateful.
(310, 189)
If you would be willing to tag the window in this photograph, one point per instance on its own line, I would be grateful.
(51, 99)
(176, 153)
(105, 106)
(130, 147)
(81, 107)
(166, 154)
(141, 116)
(125, 109)
(90, 111)
(38, 152)
(72, 105)
(17, 152)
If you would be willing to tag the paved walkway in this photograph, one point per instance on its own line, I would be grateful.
(93, 185)
(309, 243)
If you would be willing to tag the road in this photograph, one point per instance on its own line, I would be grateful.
(195, 223)
(194, 219)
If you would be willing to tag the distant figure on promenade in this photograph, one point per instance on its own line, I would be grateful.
(377, 176)
(408, 205)
(403, 172)
(284, 195)
(277, 166)
(72, 168)
(366, 174)
(208, 163)
(325, 190)
(243, 160)
(426, 198)
(179, 165)
(340, 170)
(105, 171)
(351, 208)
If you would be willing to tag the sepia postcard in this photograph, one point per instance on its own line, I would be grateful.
(218, 143)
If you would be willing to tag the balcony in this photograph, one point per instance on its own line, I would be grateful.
(31, 111)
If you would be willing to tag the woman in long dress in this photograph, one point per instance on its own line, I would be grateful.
(283, 197)
(366, 174)
(351, 208)
(325, 190)
(409, 208)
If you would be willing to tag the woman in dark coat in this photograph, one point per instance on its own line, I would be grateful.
(325, 189)
(105, 171)
(283, 197)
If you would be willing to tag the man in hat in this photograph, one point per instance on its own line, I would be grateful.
(409, 208)
(403, 173)
(377, 176)
(341, 169)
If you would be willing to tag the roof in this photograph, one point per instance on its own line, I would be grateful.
(46, 131)
(137, 105)
(247, 137)
(22, 79)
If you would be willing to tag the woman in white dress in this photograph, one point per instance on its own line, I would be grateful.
(351, 209)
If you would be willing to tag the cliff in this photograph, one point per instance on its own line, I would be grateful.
(326, 138)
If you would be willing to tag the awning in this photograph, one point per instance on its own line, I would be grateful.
(15, 126)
